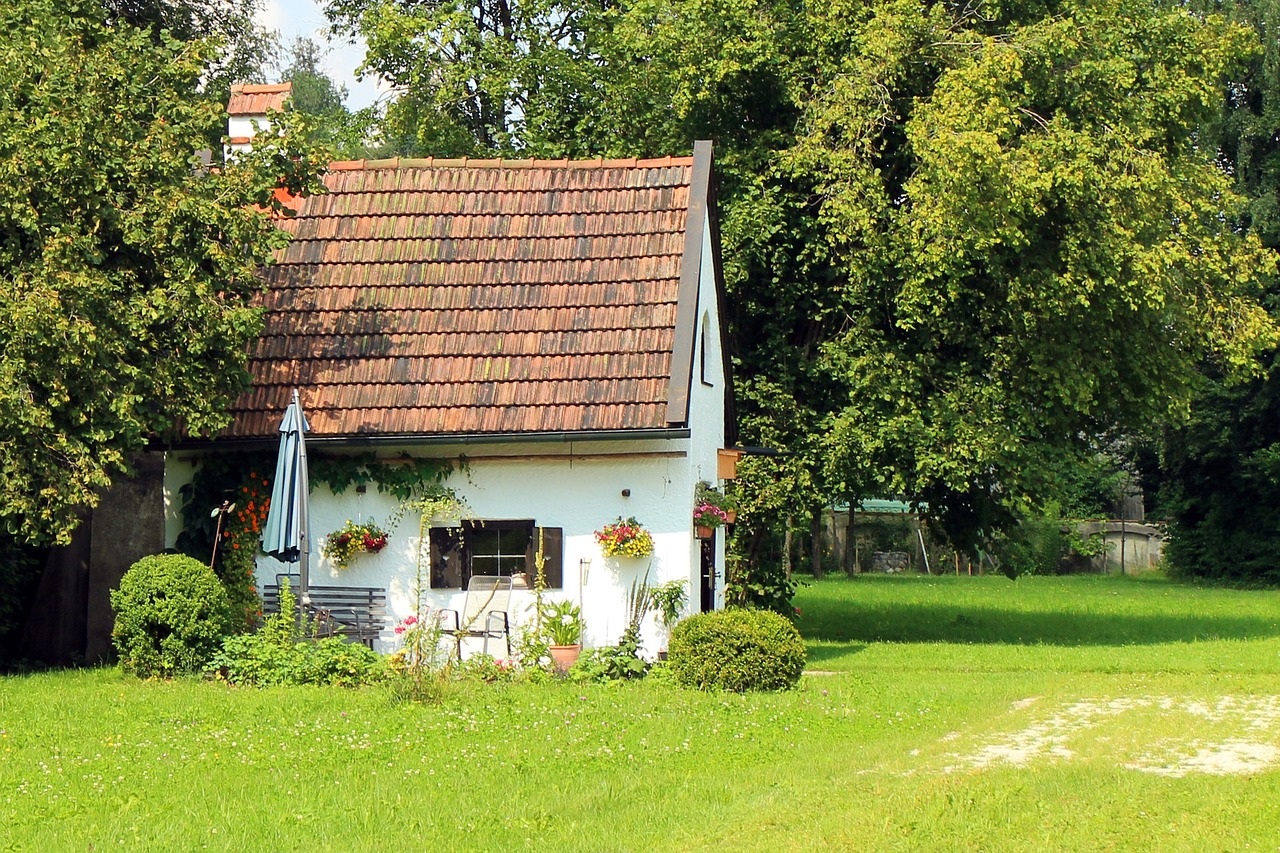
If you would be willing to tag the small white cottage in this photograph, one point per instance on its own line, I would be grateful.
(551, 327)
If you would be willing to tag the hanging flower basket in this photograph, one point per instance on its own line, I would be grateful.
(709, 515)
(344, 543)
(712, 507)
(625, 537)
(703, 531)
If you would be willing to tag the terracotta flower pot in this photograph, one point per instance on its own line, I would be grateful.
(704, 532)
(563, 657)
(731, 515)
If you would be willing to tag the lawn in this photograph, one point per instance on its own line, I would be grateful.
(952, 714)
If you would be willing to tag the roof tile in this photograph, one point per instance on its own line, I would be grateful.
(255, 99)
(475, 296)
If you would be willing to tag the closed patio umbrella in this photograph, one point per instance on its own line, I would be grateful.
(286, 535)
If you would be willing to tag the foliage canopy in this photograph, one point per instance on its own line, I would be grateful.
(126, 268)
(960, 240)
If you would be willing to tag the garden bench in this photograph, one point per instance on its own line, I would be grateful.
(356, 613)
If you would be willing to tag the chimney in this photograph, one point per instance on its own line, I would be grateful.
(247, 108)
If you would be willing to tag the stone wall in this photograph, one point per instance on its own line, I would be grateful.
(71, 619)
(1143, 546)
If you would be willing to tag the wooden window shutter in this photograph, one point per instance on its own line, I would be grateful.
(446, 558)
(552, 539)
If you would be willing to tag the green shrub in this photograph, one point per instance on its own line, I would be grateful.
(336, 663)
(612, 663)
(736, 650)
(1032, 547)
(257, 659)
(171, 615)
(277, 653)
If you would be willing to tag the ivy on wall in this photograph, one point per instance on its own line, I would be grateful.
(244, 479)
(242, 482)
(406, 477)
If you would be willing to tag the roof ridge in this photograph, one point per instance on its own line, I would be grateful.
(501, 163)
(261, 88)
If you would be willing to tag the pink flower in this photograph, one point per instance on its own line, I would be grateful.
(411, 620)
(399, 629)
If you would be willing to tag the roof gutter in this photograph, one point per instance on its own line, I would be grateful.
(442, 440)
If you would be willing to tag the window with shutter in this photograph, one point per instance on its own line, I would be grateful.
(446, 557)
(507, 548)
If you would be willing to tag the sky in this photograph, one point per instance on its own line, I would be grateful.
(294, 18)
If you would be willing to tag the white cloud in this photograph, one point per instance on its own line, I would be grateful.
(293, 18)
(270, 15)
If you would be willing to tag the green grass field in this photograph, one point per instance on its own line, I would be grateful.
(955, 714)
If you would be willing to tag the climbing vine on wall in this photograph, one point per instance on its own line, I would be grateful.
(243, 481)
(240, 543)
(406, 477)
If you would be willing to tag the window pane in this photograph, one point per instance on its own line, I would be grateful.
(514, 542)
(511, 565)
(497, 549)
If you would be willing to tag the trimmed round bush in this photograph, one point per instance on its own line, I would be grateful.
(171, 615)
(737, 650)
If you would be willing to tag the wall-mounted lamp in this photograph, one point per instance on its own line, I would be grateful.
(361, 489)
(626, 493)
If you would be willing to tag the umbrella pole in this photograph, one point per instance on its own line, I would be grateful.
(304, 520)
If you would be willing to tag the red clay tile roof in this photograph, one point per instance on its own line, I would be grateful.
(476, 297)
(255, 99)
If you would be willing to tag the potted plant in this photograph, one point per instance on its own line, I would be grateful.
(625, 537)
(350, 539)
(712, 508)
(562, 622)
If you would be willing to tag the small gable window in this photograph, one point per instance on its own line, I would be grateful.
(702, 349)
(501, 547)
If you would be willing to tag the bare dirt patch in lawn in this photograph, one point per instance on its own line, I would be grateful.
(1165, 735)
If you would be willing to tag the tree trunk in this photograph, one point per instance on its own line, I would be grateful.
(786, 549)
(815, 543)
(850, 545)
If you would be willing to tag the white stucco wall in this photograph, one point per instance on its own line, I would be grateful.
(574, 486)
(243, 127)
(706, 403)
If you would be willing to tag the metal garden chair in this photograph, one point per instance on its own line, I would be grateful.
(485, 613)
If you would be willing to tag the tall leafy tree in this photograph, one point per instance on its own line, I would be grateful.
(1221, 487)
(1219, 471)
(960, 239)
(243, 47)
(1037, 248)
(475, 75)
(126, 268)
(323, 103)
